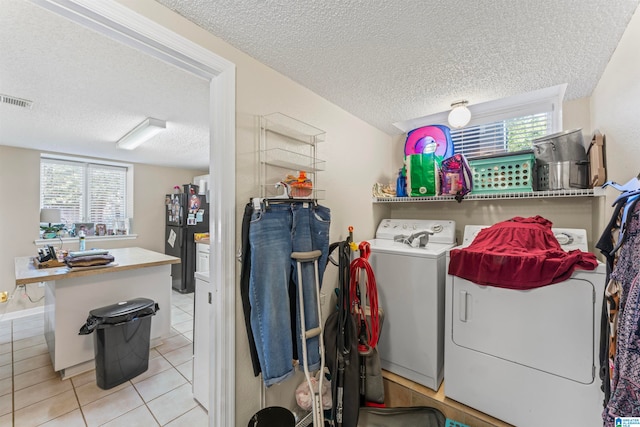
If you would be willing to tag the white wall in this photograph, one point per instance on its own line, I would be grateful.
(20, 214)
(615, 109)
(355, 152)
(576, 114)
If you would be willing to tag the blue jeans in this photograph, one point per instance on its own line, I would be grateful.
(275, 232)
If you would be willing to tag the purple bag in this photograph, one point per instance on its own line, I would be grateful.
(455, 177)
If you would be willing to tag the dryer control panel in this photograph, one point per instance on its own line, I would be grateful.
(572, 238)
(569, 238)
(440, 231)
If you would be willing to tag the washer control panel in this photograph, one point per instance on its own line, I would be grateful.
(440, 231)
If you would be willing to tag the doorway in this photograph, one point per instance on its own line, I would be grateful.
(126, 26)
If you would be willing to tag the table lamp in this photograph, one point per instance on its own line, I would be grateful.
(50, 216)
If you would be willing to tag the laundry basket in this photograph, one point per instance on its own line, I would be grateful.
(503, 174)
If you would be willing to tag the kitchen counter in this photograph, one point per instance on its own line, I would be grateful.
(71, 294)
(125, 259)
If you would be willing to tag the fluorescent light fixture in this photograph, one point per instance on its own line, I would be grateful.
(460, 115)
(141, 133)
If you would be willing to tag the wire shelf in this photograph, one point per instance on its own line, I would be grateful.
(283, 125)
(574, 192)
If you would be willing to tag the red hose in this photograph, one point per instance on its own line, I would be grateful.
(373, 326)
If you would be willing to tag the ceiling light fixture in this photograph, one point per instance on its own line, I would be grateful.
(460, 114)
(141, 133)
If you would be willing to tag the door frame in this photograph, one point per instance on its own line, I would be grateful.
(128, 27)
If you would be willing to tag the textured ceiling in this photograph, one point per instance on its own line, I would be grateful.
(88, 91)
(383, 61)
(389, 61)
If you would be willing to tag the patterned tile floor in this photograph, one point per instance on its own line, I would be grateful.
(32, 394)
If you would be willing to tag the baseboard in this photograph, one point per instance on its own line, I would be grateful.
(18, 314)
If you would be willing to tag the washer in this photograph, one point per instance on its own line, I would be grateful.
(529, 358)
(410, 277)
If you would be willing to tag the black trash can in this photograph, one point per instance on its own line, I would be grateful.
(273, 416)
(122, 340)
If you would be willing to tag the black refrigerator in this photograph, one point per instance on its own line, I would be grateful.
(187, 213)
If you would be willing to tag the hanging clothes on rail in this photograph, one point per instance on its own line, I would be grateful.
(276, 229)
(245, 275)
(609, 244)
(625, 367)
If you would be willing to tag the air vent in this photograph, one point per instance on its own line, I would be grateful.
(12, 100)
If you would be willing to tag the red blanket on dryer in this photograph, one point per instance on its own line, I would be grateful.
(520, 253)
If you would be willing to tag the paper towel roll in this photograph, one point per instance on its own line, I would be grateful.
(202, 187)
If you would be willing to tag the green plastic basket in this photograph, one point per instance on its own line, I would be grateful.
(452, 423)
(508, 174)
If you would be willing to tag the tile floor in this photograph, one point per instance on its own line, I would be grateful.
(32, 394)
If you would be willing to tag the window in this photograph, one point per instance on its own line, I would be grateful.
(84, 191)
(503, 136)
(502, 125)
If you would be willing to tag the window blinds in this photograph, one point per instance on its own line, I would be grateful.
(107, 192)
(84, 192)
(61, 185)
(502, 136)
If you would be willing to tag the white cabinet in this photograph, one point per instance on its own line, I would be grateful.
(202, 262)
(201, 338)
(288, 147)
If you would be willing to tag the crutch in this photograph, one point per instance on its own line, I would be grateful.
(316, 403)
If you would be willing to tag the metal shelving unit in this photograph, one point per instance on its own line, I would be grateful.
(288, 146)
(589, 192)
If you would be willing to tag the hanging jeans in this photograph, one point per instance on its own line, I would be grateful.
(245, 274)
(275, 232)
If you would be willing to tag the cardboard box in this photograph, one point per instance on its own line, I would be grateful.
(597, 173)
(199, 236)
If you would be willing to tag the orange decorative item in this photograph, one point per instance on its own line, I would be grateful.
(300, 186)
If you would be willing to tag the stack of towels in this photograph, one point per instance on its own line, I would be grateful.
(90, 258)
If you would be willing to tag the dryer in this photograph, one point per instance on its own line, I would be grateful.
(408, 258)
(529, 358)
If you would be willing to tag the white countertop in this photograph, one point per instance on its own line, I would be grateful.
(125, 259)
